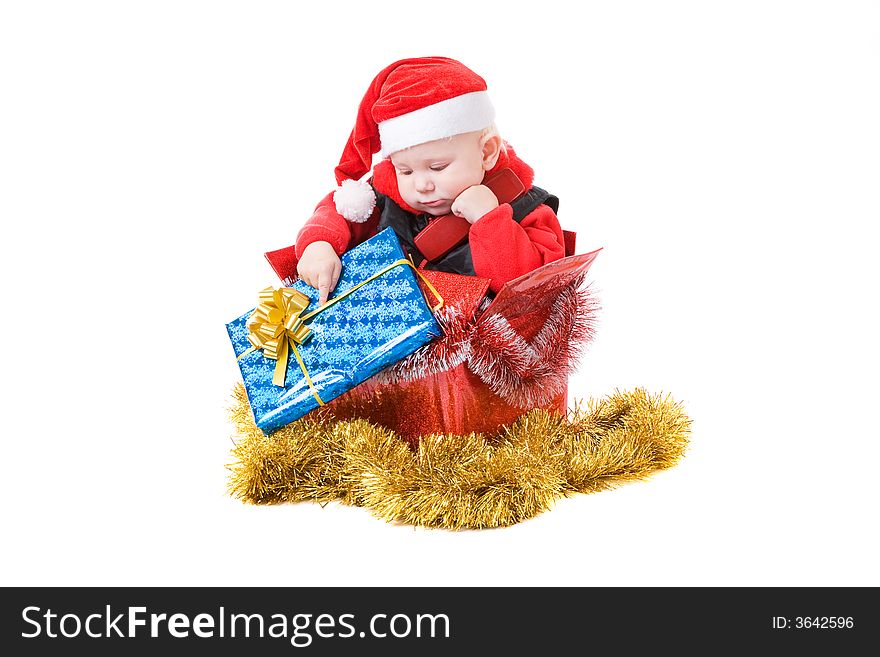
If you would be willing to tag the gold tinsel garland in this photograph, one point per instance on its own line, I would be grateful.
(458, 481)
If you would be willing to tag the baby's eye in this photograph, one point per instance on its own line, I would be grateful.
(403, 173)
(439, 167)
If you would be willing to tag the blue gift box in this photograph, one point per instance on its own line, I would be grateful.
(371, 328)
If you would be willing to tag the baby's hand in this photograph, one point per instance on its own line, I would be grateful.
(320, 267)
(474, 202)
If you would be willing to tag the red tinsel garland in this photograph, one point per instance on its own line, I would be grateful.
(525, 373)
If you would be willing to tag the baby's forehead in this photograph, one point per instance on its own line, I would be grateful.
(432, 150)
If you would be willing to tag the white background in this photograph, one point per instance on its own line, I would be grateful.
(726, 156)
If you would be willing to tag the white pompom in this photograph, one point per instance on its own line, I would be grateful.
(355, 200)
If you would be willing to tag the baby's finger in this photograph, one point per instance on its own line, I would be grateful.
(323, 288)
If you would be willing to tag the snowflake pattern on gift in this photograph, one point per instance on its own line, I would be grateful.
(373, 327)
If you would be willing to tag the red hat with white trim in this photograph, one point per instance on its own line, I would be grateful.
(410, 102)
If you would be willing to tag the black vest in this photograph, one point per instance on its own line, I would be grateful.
(458, 261)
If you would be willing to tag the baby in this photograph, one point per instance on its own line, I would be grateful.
(433, 123)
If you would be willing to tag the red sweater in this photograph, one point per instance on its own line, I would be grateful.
(502, 249)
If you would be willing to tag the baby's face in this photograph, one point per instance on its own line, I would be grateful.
(431, 175)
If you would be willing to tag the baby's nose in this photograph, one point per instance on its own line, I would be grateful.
(424, 183)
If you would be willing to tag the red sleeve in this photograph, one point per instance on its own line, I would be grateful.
(503, 249)
(327, 225)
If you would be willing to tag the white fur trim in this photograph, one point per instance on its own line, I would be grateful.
(465, 113)
(355, 200)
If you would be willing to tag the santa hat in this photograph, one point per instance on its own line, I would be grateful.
(410, 102)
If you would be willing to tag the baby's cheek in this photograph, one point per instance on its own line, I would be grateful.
(453, 189)
(402, 186)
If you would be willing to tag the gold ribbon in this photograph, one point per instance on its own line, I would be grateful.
(278, 323)
(396, 263)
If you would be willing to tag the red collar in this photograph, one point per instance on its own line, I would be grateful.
(385, 180)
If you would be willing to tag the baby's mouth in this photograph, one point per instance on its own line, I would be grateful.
(433, 204)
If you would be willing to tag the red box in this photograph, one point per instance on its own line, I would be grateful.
(498, 359)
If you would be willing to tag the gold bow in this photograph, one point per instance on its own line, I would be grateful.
(276, 324)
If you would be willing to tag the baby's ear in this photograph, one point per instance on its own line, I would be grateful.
(490, 145)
